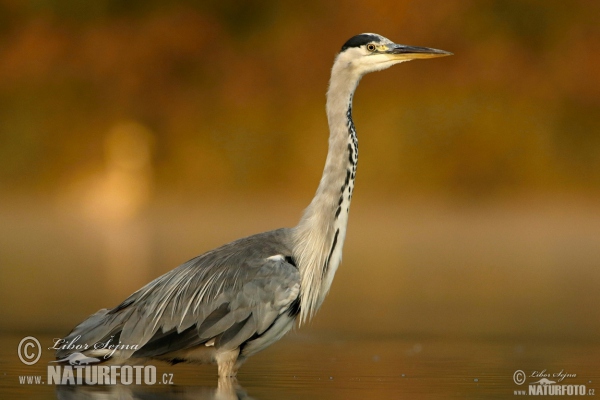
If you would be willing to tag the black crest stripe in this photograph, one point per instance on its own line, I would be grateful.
(360, 40)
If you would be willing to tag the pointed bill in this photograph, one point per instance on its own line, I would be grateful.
(402, 52)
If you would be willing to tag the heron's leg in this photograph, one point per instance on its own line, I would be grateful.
(226, 362)
(227, 385)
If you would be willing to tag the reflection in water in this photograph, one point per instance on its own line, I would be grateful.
(318, 367)
(227, 389)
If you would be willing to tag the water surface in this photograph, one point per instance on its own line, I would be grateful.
(308, 366)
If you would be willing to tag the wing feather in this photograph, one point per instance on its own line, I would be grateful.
(230, 294)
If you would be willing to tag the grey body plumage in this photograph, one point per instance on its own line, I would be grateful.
(231, 302)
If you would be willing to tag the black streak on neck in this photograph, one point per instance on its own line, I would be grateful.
(335, 238)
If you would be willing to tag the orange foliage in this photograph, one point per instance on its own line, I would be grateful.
(234, 94)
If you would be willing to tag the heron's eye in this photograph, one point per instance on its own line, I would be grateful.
(371, 47)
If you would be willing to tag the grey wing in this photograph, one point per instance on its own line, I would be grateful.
(228, 297)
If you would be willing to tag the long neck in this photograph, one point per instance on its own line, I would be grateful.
(319, 237)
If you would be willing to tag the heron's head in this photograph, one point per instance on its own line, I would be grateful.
(369, 52)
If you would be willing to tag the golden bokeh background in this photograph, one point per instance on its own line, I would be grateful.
(135, 135)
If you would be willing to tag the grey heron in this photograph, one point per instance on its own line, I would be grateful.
(231, 302)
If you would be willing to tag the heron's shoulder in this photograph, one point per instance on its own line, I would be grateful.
(278, 239)
(260, 256)
(251, 249)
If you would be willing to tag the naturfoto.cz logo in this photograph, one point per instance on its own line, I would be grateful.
(549, 384)
(80, 369)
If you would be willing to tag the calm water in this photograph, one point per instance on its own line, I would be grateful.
(307, 366)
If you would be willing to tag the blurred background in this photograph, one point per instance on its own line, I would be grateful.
(135, 135)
